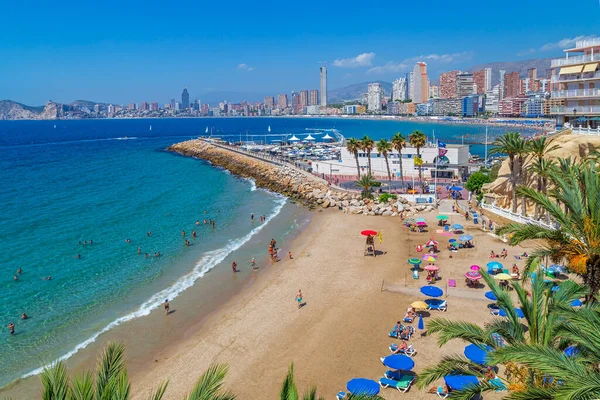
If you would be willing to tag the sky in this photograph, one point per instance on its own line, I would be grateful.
(132, 51)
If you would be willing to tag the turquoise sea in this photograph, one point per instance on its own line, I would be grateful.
(106, 181)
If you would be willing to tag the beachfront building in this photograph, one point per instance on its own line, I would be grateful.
(421, 83)
(313, 97)
(400, 89)
(480, 78)
(423, 109)
(323, 71)
(576, 80)
(534, 106)
(350, 109)
(434, 92)
(512, 85)
(445, 106)
(375, 97)
(464, 85)
(470, 106)
(492, 99)
(397, 108)
(512, 106)
(454, 163)
(448, 84)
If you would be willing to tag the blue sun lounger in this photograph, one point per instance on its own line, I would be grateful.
(400, 382)
(436, 304)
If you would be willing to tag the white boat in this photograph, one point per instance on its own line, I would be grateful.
(150, 127)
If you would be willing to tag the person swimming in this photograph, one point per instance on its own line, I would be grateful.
(24, 316)
(11, 328)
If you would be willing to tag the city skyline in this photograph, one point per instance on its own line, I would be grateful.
(129, 53)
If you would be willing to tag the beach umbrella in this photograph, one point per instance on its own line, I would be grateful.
(494, 265)
(431, 243)
(556, 268)
(576, 303)
(441, 217)
(475, 267)
(431, 291)
(421, 220)
(571, 351)
(421, 324)
(465, 238)
(414, 261)
(452, 240)
(555, 288)
(327, 137)
(421, 223)
(418, 304)
(429, 257)
(358, 386)
(473, 275)
(457, 227)
(491, 296)
(399, 362)
(368, 232)
(459, 382)
(503, 277)
(294, 139)
(455, 188)
(309, 137)
(432, 268)
(476, 353)
(455, 244)
(519, 312)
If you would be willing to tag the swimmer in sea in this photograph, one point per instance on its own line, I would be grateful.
(11, 328)
(139, 251)
(91, 241)
(187, 242)
(24, 316)
(48, 278)
(19, 271)
(182, 233)
(16, 278)
(252, 217)
(194, 234)
(147, 255)
(197, 222)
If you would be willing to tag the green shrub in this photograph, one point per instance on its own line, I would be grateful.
(383, 198)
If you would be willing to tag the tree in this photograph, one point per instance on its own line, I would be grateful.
(366, 183)
(353, 146)
(399, 142)
(385, 147)
(577, 239)
(509, 144)
(539, 148)
(367, 145)
(112, 382)
(476, 181)
(418, 139)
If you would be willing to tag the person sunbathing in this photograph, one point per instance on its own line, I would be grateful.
(492, 254)
(441, 390)
(398, 328)
(515, 270)
(405, 334)
(489, 374)
(401, 348)
(504, 253)
(410, 313)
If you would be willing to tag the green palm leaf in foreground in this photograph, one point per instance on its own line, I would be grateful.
(210, 385)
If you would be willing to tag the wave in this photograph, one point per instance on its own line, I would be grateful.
(253, 184)
(205, 264)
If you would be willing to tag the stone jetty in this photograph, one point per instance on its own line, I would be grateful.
(292, 182)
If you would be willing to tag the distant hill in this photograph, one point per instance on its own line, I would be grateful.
(12, 110)
(353, 92)
(85, 103)
(542, 64)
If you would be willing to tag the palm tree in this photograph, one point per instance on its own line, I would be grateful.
(385, 147)
(367, 145)
(539, 148)
(353, 146)
(509, 144)
(399, 142)
(543, 327)
(112, 382)
(577, 187)
(418, 139)
(366, 182)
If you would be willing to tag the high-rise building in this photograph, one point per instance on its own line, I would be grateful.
(434, 92)
(270, 102)
(492, 99)
(185, 99)
(145, 106)
(177, 106)
(313, 97)
(399, 90)
(448, 85)
(375, 96)
(154, 106)
(464, 85)
(502, 72)
(488, 79)
(411, 85)
(323, 86)
(282, 101)
(172, 104)
(512, 85)
(532, 75)
(480, 79)
(111, 110)
(304, 98)
(421, 88)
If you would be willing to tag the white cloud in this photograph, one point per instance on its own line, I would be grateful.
(361, 60)
(409, 63)
(564, 43)
(245, 67)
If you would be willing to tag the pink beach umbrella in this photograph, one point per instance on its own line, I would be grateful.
(473, 275)
(421, 223)
(431, 243)
(475, 267)
(429, 257)
(432, 268)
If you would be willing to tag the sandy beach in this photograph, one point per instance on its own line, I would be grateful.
(352, 302)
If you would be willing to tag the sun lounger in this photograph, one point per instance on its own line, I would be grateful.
(341, 395)
(397, 380)
(408, 319)
(410, 351)
(440, 392)
(494, 309)
(497, 383)
(394, 335)
(436, 304)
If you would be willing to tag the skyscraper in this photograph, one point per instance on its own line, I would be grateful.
(282, 101)
(411, 85)
(464, 85)
(420, 87)
(313, 99)
(480, 79)
(304, 98)
(399, 89)
(185, 99)
(502, 72)
(270, 102)
(323, 86)
(375, 96)
(512, 85)
(488, 79)
(448, 85)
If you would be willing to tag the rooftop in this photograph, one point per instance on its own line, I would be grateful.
(581, 45)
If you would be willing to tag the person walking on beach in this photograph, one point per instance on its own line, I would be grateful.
(166, 305)
(234, 266)
(11, 328)
(290, 255)
(253, 264)
(299, 298)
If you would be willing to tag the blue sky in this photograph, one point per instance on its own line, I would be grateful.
(133, 51)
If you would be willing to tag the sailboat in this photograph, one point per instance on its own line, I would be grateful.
(150, 127)
(206, 130)
(269, 129)
(54, 126)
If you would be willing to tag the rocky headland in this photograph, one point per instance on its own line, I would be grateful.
(294, 183)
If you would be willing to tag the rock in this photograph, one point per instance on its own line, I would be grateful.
(387, 213)
(345, 203)
(325, 203)
(394, 214)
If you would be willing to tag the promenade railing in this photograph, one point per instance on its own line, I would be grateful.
(516, 217)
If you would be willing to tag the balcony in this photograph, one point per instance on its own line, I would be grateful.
(561, 62)
(580, 110)
(576, 93)
(582, 44)
(575, 77)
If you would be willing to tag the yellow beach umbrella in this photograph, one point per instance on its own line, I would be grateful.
(418, 304)
(503, 277)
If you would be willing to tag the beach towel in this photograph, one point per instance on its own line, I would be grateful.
(439, 231)
(451, 283)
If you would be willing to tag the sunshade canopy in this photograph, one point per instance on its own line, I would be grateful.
(399, 361)
(476, 353)
(458, 382)
(491, 296)
(431, 291)
(363, 386)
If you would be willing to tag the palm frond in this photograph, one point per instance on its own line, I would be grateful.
(450, 329)
(110, 365)
(210, 385)
(55, 382)
(82, 387)
(159, 392)
(448, 365)
(288, 388)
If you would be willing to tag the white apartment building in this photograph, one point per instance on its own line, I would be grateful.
(375, 97)
(452, 164)
(488, 79)
(492, 99)
(399, 89)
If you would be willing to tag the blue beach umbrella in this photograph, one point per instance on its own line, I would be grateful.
(490, 295)
(476, 353)
(421, 324)
(556, 268)
(494, 265)
(455, 188)
(431, 291)
(399, 362)
(571, 351)
(465, 238)
(452, 240)
(457, 226)
(362, 386)
(459, 382)
(519, 312)
(576, 303)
